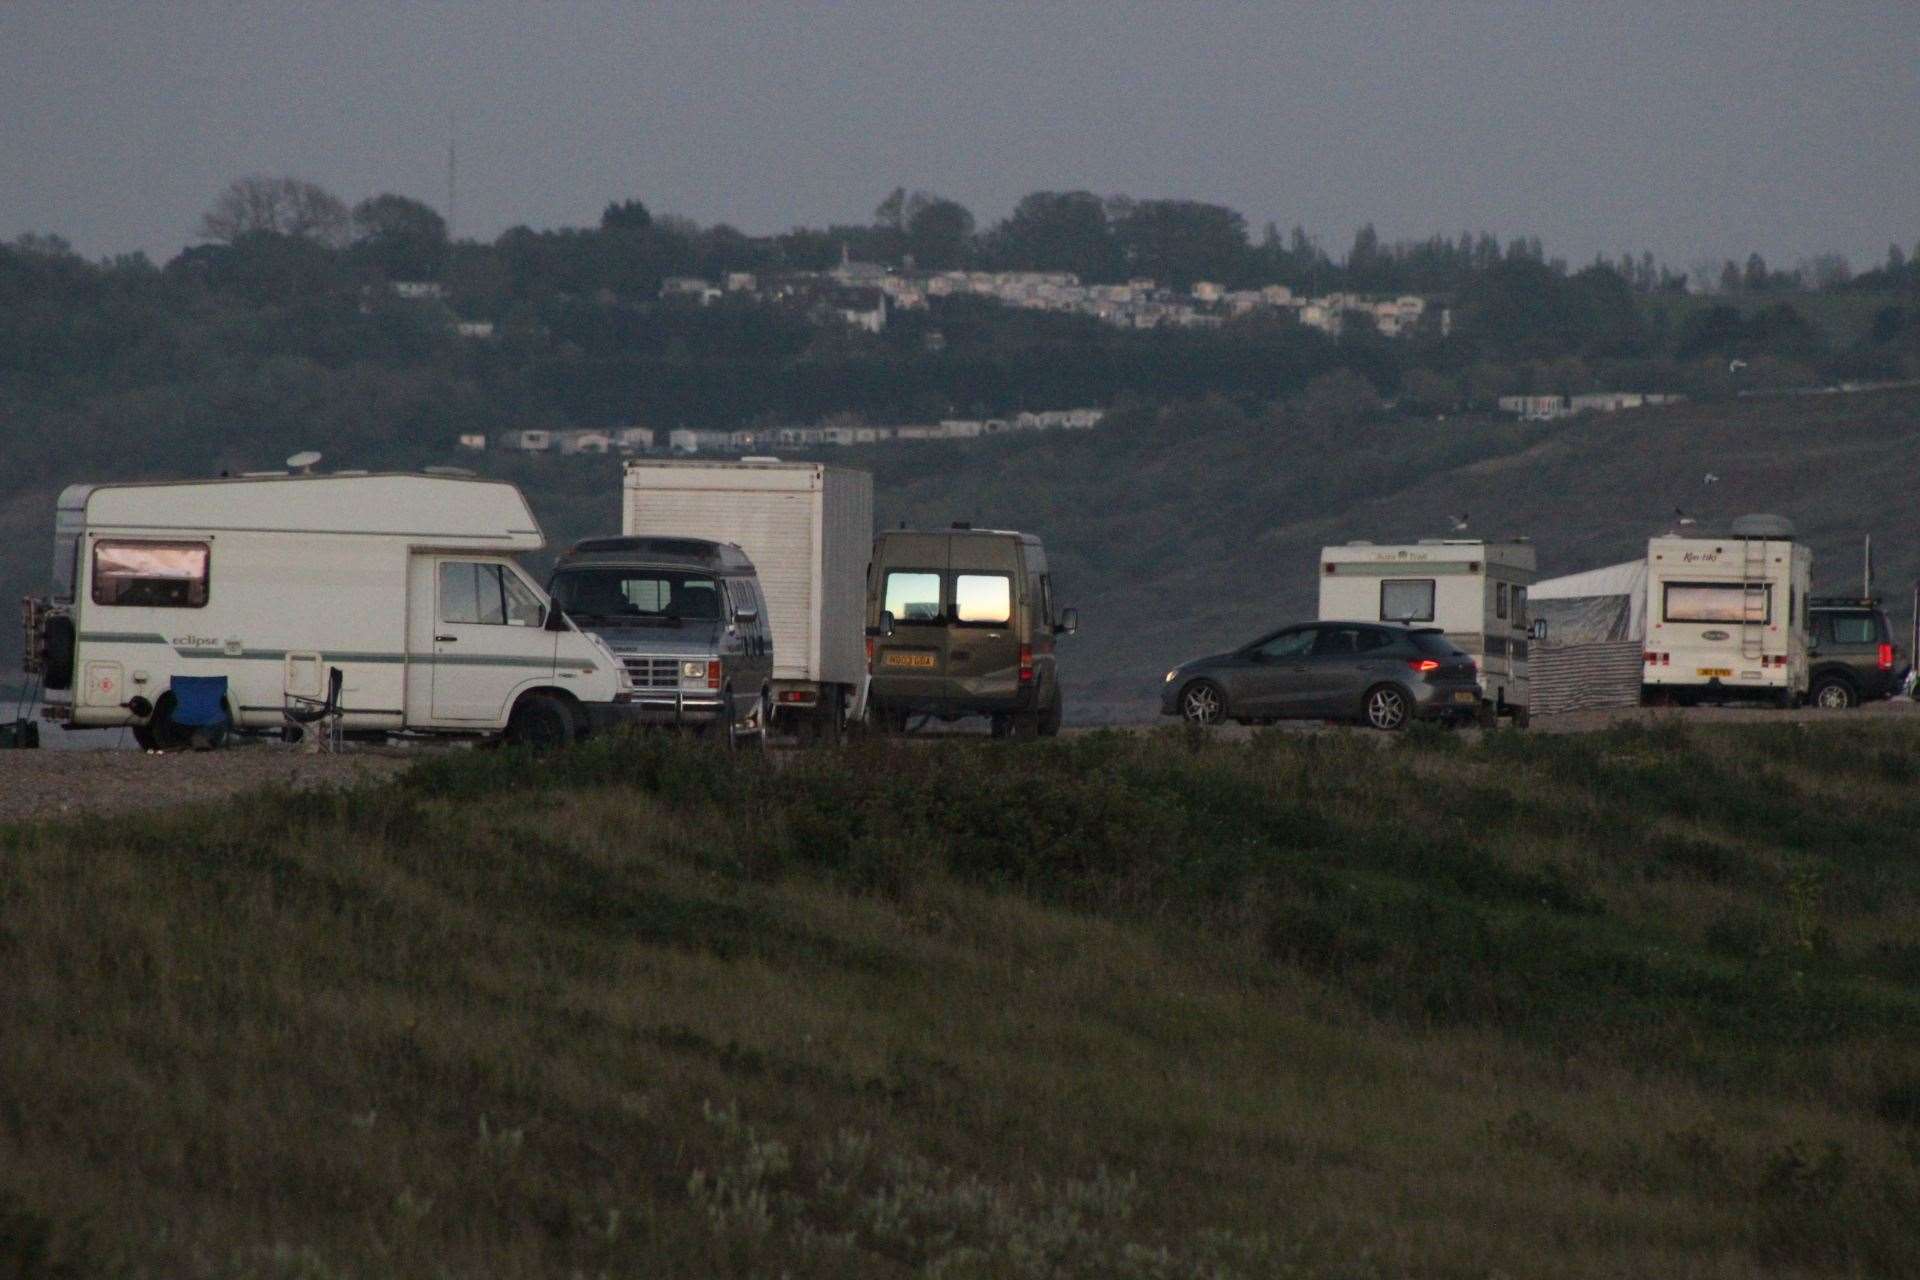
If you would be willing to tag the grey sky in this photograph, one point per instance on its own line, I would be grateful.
(1599, 125)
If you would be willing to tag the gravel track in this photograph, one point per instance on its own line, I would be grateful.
(55, 784)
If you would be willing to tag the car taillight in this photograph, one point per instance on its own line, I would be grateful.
(869, 653)
(1886, 657)
(1422, 664)
(1026, 664)
(713, 674)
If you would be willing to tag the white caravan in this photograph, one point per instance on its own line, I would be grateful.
(405, 584)
(808, 528)
(1474, 590)
(1726, 617)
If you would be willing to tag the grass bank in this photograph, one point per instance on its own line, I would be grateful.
(1644, 1002)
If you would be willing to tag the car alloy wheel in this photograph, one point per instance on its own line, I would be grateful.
(1833, 694)
(1386, 708)
(1202, 704)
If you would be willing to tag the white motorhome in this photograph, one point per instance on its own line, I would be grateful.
(1726, 617)
(252, 591)
(808, 528)
(1473, 589)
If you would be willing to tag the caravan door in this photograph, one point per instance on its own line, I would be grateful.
(487, 639)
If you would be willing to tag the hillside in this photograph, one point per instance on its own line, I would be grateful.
(1631, 1004)
(1181, 530)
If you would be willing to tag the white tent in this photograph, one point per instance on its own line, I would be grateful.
(1596, 622)
(1599, 605)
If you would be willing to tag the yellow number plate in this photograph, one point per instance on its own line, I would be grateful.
(909, 660)
(1722, 672)
(1466, 696)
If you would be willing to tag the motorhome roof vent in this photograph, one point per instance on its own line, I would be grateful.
(1359, 542)
(759, 457)
(1762, 526)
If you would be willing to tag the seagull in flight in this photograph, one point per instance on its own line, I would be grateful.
(1682, 516)
(1459, 522)
(1710, 478)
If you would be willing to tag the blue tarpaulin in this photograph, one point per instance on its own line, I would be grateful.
(197, 700)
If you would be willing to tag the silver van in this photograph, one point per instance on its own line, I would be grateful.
(687, 619)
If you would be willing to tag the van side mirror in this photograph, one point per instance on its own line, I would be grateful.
(1539, 629)
(554, 620)
(885, 628)
(1068, 624)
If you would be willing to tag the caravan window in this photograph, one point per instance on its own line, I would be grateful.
(157, 575)
(1406, 600)
(1717, 602)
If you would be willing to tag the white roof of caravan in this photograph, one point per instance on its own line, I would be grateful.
(424, 510)
(1514, 554)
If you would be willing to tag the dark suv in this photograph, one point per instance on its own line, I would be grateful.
(1851, 654)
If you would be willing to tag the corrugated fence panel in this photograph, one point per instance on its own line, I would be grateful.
(1585, 677)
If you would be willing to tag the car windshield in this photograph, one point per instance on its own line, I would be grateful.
(1432, 643)
(637, 597)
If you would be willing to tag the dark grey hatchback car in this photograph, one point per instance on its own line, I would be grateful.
(1377, 674)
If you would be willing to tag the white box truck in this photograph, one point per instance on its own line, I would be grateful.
(1726, 617)
(808, 528)
(228, 603)
(1473, 589)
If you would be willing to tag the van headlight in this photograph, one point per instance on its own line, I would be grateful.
(1170, 676)
(693, 670)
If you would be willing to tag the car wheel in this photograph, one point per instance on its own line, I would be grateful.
(541, 723)
(1386, 708)
(1203, 703)
(1050, 718)
(1834, 692)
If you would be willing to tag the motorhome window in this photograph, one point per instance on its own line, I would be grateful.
(1406, 600)
(1500, 600)
(1717, 602)
(913, 596)
(637, 595)
(982, 599)
(155, 575)
(470, 592)
(1854, 628)
(524, 608)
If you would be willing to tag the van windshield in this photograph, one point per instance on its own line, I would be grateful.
(637, 597)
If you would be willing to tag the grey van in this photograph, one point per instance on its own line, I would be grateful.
(687, 619)
(962, 622)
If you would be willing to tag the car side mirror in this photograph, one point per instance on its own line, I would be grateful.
(555, 620)
(1539, 629)
(885, 628)
(1068, 624)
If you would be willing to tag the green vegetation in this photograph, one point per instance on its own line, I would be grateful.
(1642, 1002)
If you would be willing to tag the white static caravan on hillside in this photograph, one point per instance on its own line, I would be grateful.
(404, 583)
(808, 528)
(1726, 617)
(1474, 590)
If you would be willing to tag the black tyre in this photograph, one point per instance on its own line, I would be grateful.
(1050, 717)
(164, 733)
(1386, 708)
(1203, 703)
(542, 722)
(1834, 693)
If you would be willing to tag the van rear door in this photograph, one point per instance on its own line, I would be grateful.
(913, 587)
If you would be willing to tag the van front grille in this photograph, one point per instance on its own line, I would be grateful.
(653, 673)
